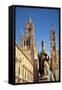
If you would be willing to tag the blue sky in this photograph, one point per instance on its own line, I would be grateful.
(43, 20)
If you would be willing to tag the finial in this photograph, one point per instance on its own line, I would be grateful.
(30, 20)
(52, 27)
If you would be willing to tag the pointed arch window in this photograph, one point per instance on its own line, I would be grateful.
(27, 42)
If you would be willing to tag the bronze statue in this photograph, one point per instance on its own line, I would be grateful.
(44, 66)
(42, 58)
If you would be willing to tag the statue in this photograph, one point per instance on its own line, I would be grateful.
(44, 66)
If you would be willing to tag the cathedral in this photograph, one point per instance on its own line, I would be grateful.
(28, 54)
(29, 46)
(32, 66)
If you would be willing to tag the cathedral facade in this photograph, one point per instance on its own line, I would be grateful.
(26, 56)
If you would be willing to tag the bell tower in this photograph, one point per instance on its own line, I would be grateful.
(54, 64)
(29, 34)
(27, 41)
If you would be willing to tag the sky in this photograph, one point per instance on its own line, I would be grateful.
(42, 18)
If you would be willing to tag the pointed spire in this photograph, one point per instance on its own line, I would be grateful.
(30, 20)
(52, 28)
(21, 39)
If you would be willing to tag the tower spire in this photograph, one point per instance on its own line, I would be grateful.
(30, 20)
(52, 27)
(21, 40)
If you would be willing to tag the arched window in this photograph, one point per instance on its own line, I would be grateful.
(27, 42)
(29, 30)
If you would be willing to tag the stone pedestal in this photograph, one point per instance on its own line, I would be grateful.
(43, 78)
